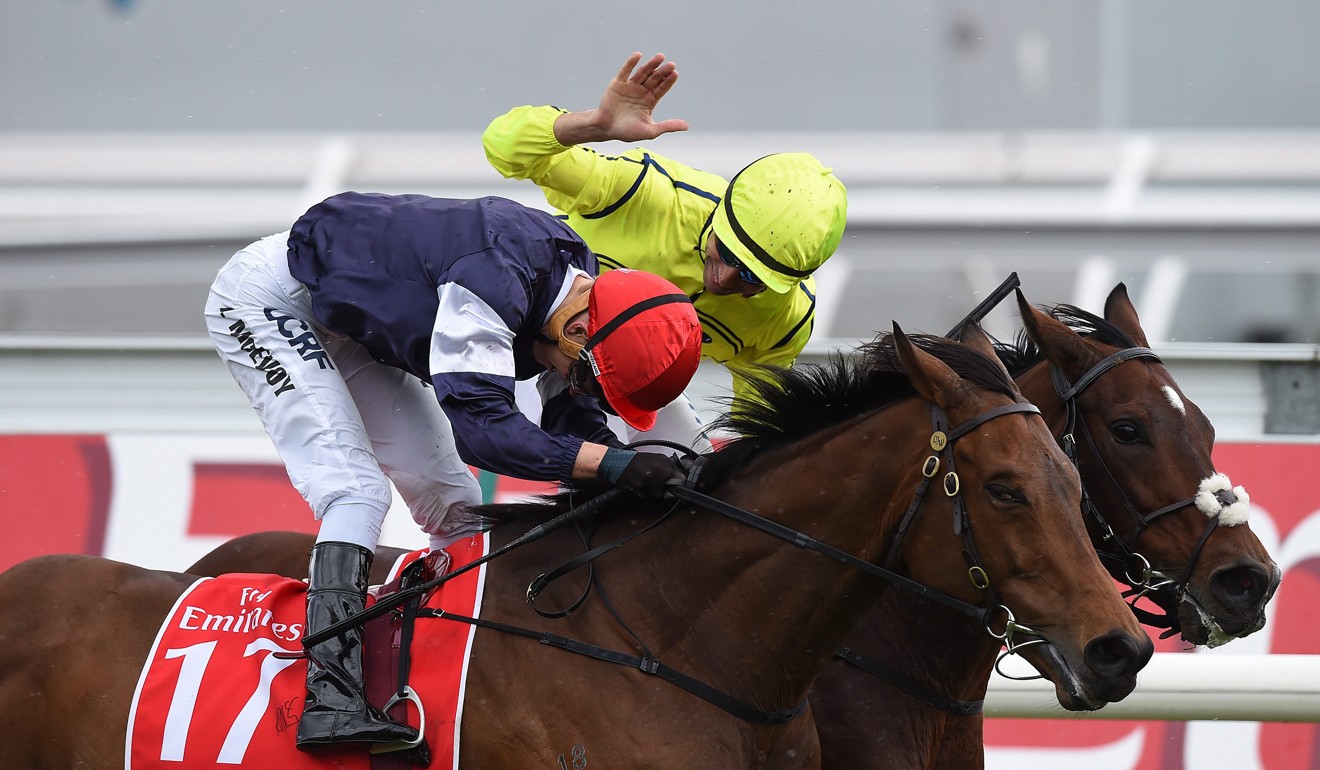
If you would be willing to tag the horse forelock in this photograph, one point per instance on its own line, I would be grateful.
(1093, 326)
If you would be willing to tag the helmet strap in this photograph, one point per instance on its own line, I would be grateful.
(637, 308)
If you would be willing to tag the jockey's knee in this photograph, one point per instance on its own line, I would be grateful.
(440, 508)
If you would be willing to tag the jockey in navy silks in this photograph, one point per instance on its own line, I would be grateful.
(337, 330)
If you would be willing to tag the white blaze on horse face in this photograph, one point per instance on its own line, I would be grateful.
(1216, 496)
(1175, 400)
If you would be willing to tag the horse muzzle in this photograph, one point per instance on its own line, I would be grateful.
(1229, 605)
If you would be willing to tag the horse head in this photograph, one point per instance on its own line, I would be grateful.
(1012, 496)
(1163, 519)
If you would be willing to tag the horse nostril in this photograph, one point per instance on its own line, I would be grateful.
(1242, 587)
(1116, 654)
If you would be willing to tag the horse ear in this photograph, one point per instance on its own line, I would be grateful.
(1120, 312)
(1058, 343)
(930, 377)
(973, 335)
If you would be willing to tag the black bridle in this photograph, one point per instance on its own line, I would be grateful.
(941, 442)
(1138, 574)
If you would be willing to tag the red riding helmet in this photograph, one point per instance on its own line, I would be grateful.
(643, 342)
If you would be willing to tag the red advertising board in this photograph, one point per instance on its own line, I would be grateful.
(163, 501)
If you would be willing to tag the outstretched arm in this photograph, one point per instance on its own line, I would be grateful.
(625, 110)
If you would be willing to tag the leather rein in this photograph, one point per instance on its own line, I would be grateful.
(941, 441)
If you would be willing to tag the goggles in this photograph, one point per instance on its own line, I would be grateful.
(727, 257)
(582, 379)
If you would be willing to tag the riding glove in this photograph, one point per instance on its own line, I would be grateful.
(645, 473)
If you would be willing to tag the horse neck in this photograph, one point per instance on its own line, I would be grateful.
(861, 717)
(951, 654)
(755, 615)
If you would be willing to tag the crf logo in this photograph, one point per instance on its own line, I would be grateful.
(301, 338)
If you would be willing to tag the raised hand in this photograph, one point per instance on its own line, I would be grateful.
(626, 108)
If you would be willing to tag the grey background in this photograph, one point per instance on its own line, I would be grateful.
(94, 73)
(349, 65)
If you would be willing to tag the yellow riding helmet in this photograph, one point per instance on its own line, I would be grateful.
(782, 217)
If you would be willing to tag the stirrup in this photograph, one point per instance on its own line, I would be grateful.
(409, 694)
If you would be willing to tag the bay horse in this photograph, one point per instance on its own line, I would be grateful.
(1211, 582)
(1143, 448)
(835, 453)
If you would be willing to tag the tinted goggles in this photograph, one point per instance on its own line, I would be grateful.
(583, 380)
(727, 257)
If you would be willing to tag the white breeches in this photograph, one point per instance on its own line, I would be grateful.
(341, 422)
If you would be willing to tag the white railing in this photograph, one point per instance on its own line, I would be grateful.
(162, 186)
(74, 383)
(81, 211)
(1183, 687)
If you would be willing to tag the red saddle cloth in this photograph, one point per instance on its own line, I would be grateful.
(221, 688)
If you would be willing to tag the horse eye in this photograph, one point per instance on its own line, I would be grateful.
(1125, 432)
(1003, 494)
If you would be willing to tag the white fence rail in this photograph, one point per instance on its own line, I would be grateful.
(1183, 687)
(134, 383)
(117, 187)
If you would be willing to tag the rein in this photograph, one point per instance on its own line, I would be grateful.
(387, 603)
(647, 665)
(941, 441)
(1140, 584)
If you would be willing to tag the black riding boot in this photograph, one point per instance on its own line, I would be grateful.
(336, 711)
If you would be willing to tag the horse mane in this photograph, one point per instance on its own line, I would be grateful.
(1022, 354)
(789, 404)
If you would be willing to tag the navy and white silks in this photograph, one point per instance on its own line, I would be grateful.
(333, 328)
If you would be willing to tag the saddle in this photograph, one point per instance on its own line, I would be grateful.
(224, 685)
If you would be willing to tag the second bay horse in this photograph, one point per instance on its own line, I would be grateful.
(1143, 448)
